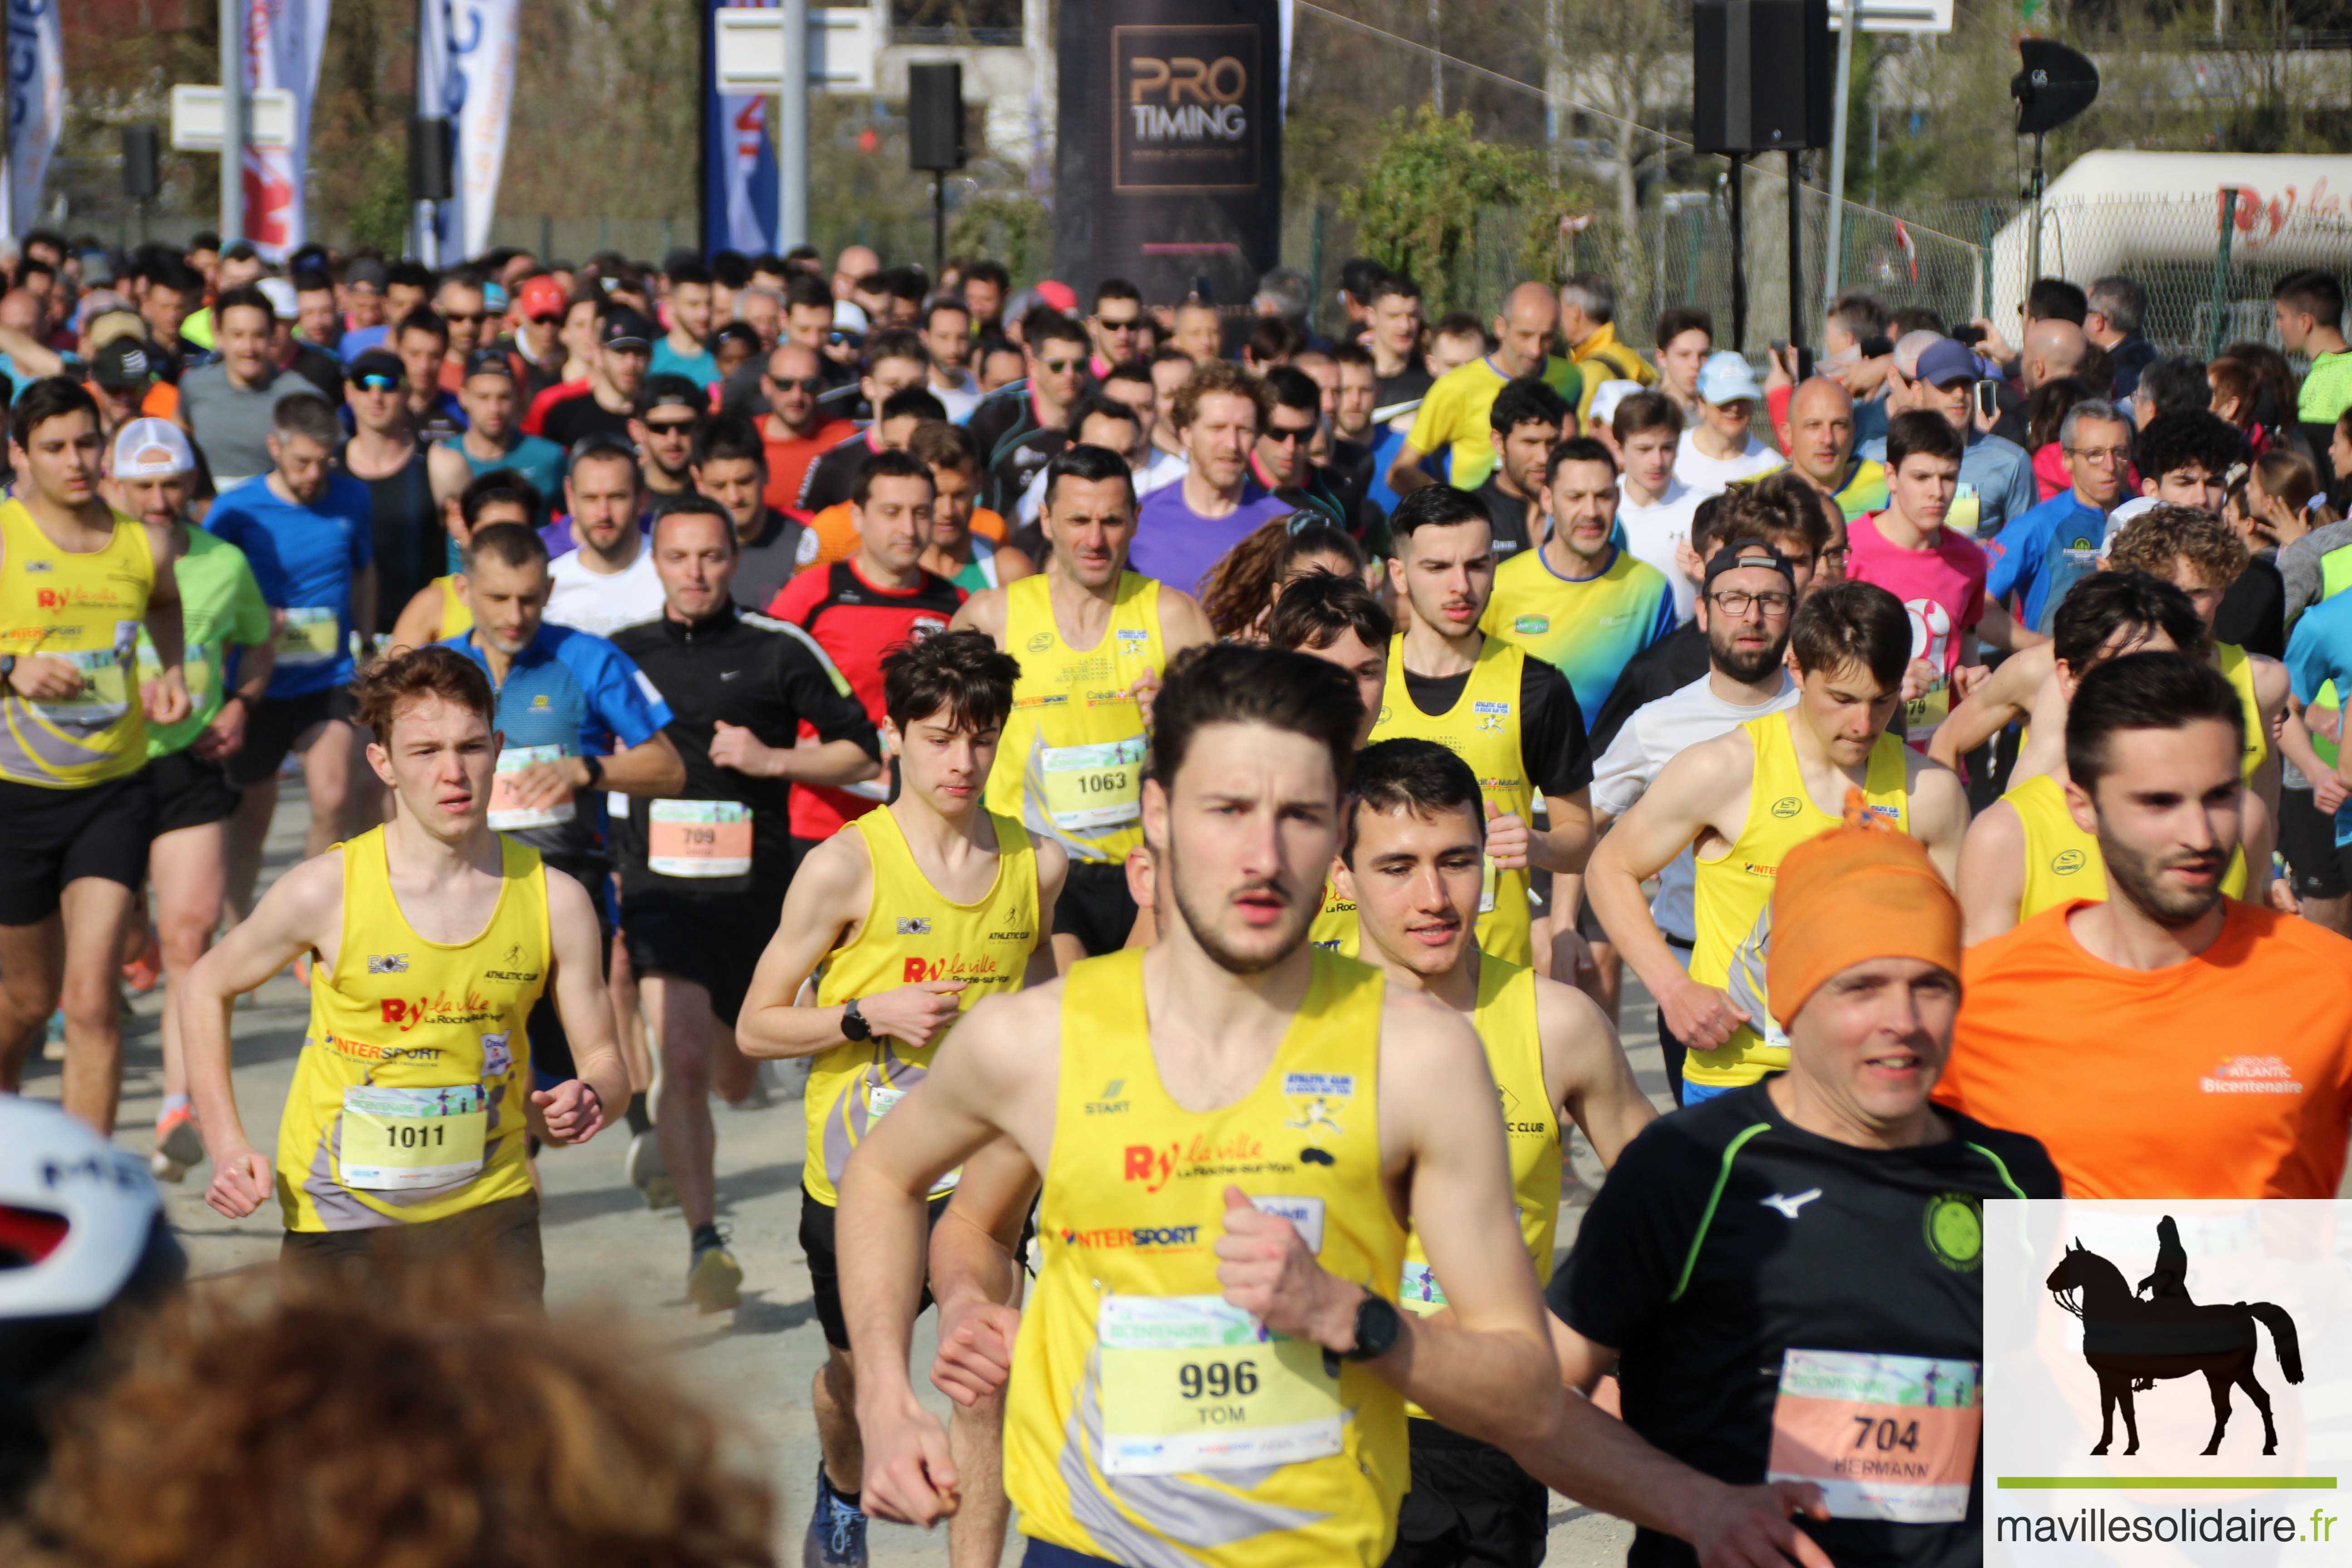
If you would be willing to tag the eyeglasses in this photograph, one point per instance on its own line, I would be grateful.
(808, 384)
(1733, 601)
(2105, 457)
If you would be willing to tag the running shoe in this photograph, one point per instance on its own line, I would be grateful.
(179, 1146)
(53, 1043)
(837, 1532)
(714, 1280)
(145, 969)
(648, 1175)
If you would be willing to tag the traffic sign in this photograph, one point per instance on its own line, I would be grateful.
(197, 118)
(1897, 16)
(842, 42)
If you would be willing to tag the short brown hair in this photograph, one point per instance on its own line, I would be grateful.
(1852, 623)
(964, 674)
(936, 443)
(461, 1439)
(2151, 542)
(413, 673)
(1213, 378)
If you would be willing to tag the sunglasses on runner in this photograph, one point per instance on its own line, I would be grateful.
(375, 383)
(1059, 366)
(671, 427)
(806, 382)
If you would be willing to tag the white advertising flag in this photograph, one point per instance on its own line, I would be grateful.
(282, 44)
(36, 104)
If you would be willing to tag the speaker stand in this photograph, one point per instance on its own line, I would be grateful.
(1738, 251)
(939, 225)
(2034, 235)
(1797, 247)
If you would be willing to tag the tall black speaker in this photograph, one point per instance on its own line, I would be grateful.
(432, 158)
(141, 150)
(935, 116)
(1762, 74)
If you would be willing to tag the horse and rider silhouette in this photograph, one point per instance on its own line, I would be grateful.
(2131, 1343)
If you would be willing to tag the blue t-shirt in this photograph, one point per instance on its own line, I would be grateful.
(574, 692)
(2040, 556)
(1176, 545)
(304, 558)
(698, 368)
(358, 340)
(2320, 651)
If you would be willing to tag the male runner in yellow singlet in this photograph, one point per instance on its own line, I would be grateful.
(1514, 720)
(1092, 639)
(1742, 801)
(1410, 862)
(78, 581)
(404, 1131)
(2025, 852)
(915, 912)
(1235, 1130)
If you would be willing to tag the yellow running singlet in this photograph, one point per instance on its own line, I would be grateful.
(1505, 1017)
(911, 932)
(1335, 929)
(2062, 863)
(1069, 765)
(1147, 1421)
(407, 1100)
(1734, 891)
(2234, 663)
(1483, 728)
(456, 609)
(86, 609)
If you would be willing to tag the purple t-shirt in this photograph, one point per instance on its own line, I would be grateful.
(557, 535)
(1176, 545)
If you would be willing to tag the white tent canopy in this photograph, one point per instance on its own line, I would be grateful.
(2110, 212)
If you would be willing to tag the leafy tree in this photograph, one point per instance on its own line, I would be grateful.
(1416, 208)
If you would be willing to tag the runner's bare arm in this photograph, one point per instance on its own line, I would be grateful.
(827, 897)
(2005, 697)
(419, 622)
(1053, 871)
(1585, 1067)
(1405, 474)
(2271, 691)
(166, 700)
(1688, 802)
(1488, 1369)
(1183, 623)
(564, 1114)
(1938, 811)
(1564, 844)
(1598, 1460)
(976, 1272)
(993, 1083)
(651, 768)
(302, 913)
(1991, 881)
(449, 473)
(2000, 629)
(983, 612)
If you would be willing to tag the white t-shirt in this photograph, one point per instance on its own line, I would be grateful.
(1159, 472)
(1709, 476)
(960, 400)
(603, 603)
(1652, 532)
(1643, 746)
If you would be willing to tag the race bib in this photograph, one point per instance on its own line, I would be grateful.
(880, 1099)
(1885, 1436)
(311, 635)
(701, 839)
(195, 672)
(1093, 787)
(397, 1140)
(1923, 713)
(105, 694)
(505, 816)
(1192, 1384)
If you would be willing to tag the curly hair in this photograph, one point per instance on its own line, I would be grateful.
(411, 674)
(1214, 377)
(322, 1429)
(2157, 537)
(1248, 579)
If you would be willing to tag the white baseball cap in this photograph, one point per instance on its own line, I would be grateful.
(152, 449)
(284, 303)
(1606, 397)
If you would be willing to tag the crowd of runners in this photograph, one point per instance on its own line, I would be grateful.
(1189, 790)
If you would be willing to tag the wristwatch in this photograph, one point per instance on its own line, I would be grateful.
(1377, 1327)
(595, 766)
(854, 1025)
(7, 668)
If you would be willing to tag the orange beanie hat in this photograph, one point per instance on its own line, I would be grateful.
(1858, 892)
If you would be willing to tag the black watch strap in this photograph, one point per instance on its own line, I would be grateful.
(1376, 1327)
(854, 1025)
(595, 766)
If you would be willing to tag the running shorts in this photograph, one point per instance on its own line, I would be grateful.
(1095, 906)
(2317, 868)
(190, 792)
(1470, 1504)
(501, 1238)
(49, 838)
(824, 1266)
(276, 723)
(715, 943)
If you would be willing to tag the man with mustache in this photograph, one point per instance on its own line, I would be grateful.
(2110, 1029)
